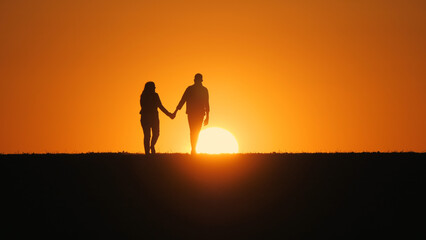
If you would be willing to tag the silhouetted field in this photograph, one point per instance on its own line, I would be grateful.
(351, 195)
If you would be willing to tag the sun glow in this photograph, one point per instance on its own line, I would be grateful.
(216, 140)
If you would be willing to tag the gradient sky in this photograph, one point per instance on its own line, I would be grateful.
(285, 76)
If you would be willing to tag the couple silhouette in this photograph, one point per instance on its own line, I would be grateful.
(196, 98)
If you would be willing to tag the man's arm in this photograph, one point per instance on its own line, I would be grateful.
(207, 108)
(182, 100)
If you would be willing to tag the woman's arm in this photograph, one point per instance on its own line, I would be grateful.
(163, 109)
(140, 101)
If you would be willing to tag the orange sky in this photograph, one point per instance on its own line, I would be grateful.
(289, 76)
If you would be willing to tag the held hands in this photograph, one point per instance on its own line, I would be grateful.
(173, 115)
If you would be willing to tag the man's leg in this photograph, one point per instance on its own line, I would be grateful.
(195, 124)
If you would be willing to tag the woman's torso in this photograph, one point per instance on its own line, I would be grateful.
(149, 105)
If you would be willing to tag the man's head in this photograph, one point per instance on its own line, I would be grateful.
(198, 78)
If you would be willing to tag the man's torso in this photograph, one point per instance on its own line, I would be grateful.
(197, 100)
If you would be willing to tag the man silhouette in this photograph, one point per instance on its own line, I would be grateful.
(196, 98)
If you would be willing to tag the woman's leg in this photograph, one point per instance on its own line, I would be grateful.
(155, 134)
(146, 135)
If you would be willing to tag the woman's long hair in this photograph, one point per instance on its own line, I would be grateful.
(148, 96)
(149, 89)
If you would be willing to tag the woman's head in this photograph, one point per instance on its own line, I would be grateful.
(149, 87)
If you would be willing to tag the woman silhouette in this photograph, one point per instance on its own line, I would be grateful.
(150, 101)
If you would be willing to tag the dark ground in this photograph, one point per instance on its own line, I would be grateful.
(353, 195)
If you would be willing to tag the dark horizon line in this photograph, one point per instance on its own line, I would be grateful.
(185, 153)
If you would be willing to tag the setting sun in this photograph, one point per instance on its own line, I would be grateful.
(216, 140)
